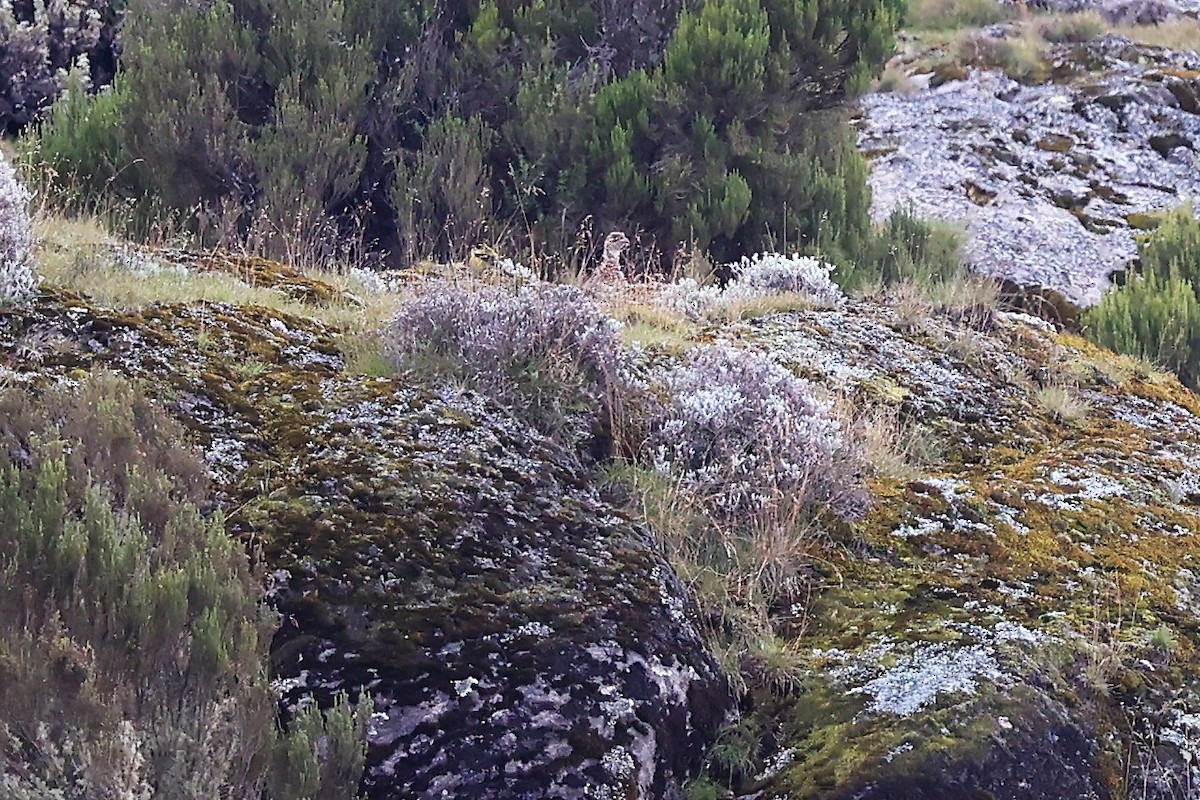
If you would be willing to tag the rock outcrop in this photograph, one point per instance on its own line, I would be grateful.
(1017, 618)
(1053, 181)
(519, 637)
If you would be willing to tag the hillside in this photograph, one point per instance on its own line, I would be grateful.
(506, 472)
(1012, 615)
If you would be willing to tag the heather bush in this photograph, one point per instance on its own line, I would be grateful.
(906, 248)
(754, 279)
(547, 352)
(748, 437)
(79, 142)
(133, 645)
(41, 41)
(1156, 314)
(411, 127)
(17, 278)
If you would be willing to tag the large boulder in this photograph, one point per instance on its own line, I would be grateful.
(1055, 180)
(519, 637)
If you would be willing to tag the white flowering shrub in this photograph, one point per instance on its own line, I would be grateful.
(547, 352)
(772, 273)
(747, 436)
(17, 279)
(692, 299)
(757, 277)
(44, 40)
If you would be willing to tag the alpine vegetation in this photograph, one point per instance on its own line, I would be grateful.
(1155, 314)
(133, 644)
(547, 352)
(746, 435)
(758, 277)
(17, 278)
(772, 272)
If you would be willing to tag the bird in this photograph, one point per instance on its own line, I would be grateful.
(609, 271)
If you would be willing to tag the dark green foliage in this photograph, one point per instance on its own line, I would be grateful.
(83, 143)
(1156, 314)
(338, 736)
(420, 128)
(441, 193)
(132, 640)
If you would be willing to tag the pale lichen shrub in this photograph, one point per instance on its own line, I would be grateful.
(546, 352)
(772, 272)
(757, 280)
(17, 278)
(749, 437)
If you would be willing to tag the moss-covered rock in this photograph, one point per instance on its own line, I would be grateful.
(519, 637)
(1016, 618)
(1019, 620)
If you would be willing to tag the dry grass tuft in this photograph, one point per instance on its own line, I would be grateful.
(940, 15)
(1063, 403)
(1021, 57)
(1182, 33)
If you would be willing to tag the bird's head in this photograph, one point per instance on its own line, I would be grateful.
(615, 244)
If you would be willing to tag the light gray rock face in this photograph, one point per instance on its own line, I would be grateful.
(1121, 12)
(1050, 179)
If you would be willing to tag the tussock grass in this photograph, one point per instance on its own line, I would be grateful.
(1021, 57)
(940, 15)
(650, 325)
(1063, 403)
(762, 306)
(1182, 33)
(1069, 28)
(893, 445)
(80, 255)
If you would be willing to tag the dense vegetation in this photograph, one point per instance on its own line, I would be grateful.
(133, 652)
(419, 129)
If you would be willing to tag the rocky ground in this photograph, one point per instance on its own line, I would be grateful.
(1053, 176)
(1018, 620)
(1015, 617)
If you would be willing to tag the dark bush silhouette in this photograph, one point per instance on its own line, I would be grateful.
(417, 129)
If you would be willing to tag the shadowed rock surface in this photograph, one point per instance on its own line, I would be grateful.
(519, 637)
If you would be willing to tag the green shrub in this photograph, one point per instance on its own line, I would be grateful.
(1156, 314)
(905, 248)
(133, 645)
(80, 141)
